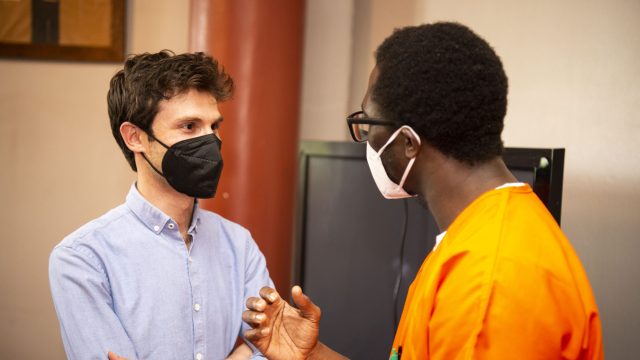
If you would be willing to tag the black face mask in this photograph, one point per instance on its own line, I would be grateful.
(192, 166)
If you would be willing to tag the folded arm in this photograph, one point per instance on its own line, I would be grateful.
(82, 297)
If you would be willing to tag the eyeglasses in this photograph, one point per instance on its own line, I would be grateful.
(359, 125)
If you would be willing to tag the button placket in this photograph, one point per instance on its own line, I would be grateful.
(198, 306)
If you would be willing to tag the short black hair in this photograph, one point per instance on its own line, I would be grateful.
(146, 79)
(448, 84)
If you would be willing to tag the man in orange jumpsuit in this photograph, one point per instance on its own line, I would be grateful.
(503, 282)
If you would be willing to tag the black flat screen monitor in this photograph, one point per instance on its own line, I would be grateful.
(348, 240)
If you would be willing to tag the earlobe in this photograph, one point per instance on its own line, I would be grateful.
(132, 136)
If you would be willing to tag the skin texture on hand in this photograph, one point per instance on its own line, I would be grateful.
(281, 331)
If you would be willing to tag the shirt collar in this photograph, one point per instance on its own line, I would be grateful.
(151, 216)
(507, 185)
(440, 236)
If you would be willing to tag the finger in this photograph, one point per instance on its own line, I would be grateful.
(256, 304)
(113, 356)
(304, 303)
(253, 318)
(269, 294)
(257, 334)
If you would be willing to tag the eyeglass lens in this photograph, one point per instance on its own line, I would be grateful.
(360, 131)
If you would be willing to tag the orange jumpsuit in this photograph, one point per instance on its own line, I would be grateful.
(504, 283)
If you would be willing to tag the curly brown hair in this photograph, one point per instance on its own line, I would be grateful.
(146, 79)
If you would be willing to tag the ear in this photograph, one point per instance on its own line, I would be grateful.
(411, 143)
(133, 137)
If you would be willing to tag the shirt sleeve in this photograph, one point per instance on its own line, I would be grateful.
(82, 298)
(256, 277)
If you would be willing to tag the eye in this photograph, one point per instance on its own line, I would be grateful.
(188, 126)
(215, 126)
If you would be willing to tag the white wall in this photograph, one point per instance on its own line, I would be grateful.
(60, 167)
(574, 74)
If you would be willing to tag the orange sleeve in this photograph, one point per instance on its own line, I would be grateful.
(459, 307)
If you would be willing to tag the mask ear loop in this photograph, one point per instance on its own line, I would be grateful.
(395, 134)
(145, 156)
(150, 164)
(413, 159)
(406, 172)
(156, 139)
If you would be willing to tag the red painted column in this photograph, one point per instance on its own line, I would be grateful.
(259, 43)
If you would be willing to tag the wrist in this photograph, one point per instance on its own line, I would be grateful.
(322, 352)
(316, 352)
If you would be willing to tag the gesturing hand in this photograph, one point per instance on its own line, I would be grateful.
(281, 331)
(113, 356)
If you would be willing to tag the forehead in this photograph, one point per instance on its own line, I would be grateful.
(193, 103)
(368, 105)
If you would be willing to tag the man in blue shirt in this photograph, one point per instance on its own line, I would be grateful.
(158, 277)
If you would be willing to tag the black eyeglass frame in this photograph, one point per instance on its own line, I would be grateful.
(353, 120)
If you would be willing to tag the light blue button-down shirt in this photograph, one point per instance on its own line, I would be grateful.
(127, 283)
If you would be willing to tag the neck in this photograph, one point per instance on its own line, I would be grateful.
(454, 185)
(159, 193)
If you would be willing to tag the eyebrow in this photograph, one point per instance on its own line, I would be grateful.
(196, 118)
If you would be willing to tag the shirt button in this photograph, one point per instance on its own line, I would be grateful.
(171, 226)
(198, 356)
(156, 228)
(196, 307)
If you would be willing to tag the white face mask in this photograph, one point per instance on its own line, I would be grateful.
(387, 187)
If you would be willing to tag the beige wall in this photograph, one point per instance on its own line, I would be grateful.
(60, 168)
(574, 83)
(326, 68)
(340, 37)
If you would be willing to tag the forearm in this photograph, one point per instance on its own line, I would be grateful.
(323, 352)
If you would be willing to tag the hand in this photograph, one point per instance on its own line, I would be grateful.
(281, 331)
(113, 356)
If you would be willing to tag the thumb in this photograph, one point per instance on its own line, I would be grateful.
(303, 302)
(113, 356)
